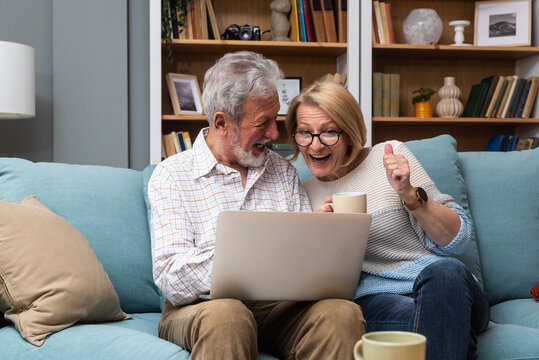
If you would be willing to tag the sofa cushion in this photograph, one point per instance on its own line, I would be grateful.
(504, 201)
(134, 339)
(106, 205)
(506, 341)
(50, 275)
(523, 312)
(439, 158)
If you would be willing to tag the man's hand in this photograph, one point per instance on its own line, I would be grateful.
(398, 174)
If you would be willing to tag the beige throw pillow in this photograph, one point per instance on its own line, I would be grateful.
(50, 277)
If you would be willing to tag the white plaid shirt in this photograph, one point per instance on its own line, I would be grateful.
(187, 191)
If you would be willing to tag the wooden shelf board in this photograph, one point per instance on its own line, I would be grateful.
(439, 120)
(195, 118)
(447, 51)
(264, 47)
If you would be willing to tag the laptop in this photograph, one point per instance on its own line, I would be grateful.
(288, 255)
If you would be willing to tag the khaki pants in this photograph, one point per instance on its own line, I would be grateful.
(230, 329)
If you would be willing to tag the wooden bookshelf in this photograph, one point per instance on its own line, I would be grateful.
(427, 65)
(308, 60)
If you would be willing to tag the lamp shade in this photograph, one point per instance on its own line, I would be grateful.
(17, 81)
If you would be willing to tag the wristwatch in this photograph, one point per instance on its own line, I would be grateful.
(421, 198)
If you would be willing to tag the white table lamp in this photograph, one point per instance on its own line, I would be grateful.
(17, 81)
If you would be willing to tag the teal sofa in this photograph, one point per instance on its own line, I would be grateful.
(109, 207)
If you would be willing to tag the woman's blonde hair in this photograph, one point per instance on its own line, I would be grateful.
(340, 105)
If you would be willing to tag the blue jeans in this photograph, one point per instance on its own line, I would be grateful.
(447, 306)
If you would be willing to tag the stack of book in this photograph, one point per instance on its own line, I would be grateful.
(198, 23)
(500, 96)
(385, 94)
(337, 77)
(318, 20)
(512, 143)
(382, 25)
(174, 143)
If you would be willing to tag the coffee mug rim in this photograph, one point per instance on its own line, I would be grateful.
(349, 193)
(415, 338)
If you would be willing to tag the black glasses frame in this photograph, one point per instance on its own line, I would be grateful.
(318, 136)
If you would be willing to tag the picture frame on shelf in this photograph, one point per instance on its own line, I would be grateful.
(184, 94)
(503, 23)
(287, 88)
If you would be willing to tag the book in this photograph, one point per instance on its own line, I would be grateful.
(203, 19)
(386, 95)
(179, 136)
(309, 30)
(383, 15)
(475, 100)
(294, 22)
(512, 143)
(342, 20)
(492, 81)
(329, 20)
(318, 20)
(532, 96)
(500, 97)
(495, 143)
(187, 140)
(379, 24)
(515, 97)
(192, 21)
(523, 98)
(301, 21)
(524, 144)
(170, 149)
(171, 11)
(177, 146)
(510, 81)
(377, 94)
(394, 94)
(509, 96)
(390, 24)
(212, 20)
(494, 96)
(375, 35)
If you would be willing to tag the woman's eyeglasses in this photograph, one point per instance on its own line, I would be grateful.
(327, 137)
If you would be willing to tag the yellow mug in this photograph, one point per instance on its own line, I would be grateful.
(390, 345)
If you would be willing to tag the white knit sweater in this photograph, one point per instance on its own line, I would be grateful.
(398, 248)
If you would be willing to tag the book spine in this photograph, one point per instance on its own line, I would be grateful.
(532, 96)
(377, 94)
(386, 95)
(376, 36)
(384, 21)
(394, 95)
(342, 18)
(309, 30)
(390, 24)
(318, 20)
(301, 18)
(379, 24)
(523, 98)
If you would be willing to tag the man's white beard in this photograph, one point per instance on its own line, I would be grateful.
(246, 159)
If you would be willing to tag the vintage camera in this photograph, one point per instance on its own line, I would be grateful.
(245, 32)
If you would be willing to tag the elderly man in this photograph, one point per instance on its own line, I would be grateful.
(230, 168)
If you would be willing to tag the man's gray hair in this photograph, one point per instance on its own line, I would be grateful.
(235, 77)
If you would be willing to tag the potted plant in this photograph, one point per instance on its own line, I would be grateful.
(173, 13)
(423, 107)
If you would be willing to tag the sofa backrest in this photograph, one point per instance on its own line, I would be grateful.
(106, 205)
(503, 190)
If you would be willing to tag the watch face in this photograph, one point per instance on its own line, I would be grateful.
(422, 194)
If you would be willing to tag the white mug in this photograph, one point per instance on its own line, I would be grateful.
(349, 202)
(390, 345)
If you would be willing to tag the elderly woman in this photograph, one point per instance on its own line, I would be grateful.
(409, 281)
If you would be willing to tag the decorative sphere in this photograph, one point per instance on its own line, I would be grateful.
(422, 27)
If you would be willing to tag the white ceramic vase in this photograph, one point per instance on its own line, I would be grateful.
(422, 27)
(449, 105)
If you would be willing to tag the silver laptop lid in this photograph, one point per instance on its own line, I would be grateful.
(288, 256)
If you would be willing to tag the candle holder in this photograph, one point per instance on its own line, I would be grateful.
(459, 26)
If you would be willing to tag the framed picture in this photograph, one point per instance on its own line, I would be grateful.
(503, 23)
(288, 88)
(184, 94)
